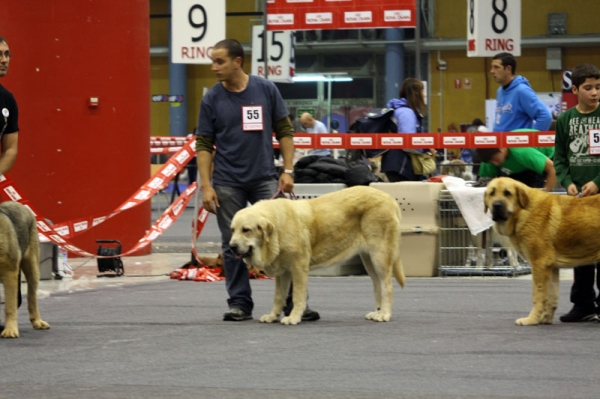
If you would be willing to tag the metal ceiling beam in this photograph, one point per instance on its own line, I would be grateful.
(378, 46)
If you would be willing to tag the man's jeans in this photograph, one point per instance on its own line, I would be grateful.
(232, 200)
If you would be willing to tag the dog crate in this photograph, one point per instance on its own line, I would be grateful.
(463, 254)
(418, 203)
(352, 266)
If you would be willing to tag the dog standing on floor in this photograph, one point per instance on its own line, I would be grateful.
(288, 238)
(550, 231)
(19, 250)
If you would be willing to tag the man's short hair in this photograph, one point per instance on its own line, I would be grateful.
(486, 154)
(507, 59)
(583, 72)
(233, 47)
(3, 40)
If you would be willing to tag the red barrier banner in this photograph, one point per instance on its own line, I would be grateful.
(361, 141)
(390, 141)
(487, 140)
(544, 139)
(423, 140)
(518, 139)
(455, 140)
(340, 14)
(332, 140)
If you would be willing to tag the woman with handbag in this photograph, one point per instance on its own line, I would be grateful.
(400, 165)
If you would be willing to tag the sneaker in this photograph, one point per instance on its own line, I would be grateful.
(577, 315)
(237, 314)
(310, 315)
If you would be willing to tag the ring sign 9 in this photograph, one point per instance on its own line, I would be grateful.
(196, 26)
(281, 50)
(493, 26)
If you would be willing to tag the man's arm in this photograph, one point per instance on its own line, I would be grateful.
(204, 159)
(284, 132)
(8, 156)
(487, 169)
(536, 110)
(561, 161)
(550, 175)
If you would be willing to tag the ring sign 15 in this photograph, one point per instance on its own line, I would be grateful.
(196, 26)
(281, 50)
(493, 26)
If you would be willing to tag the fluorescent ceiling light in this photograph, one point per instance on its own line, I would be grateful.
(315, 77)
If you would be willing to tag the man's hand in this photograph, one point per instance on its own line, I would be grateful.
(572, 190)
(589, 188)
(210, 201)
(286, 183)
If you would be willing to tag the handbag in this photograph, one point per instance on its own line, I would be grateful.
(423, 164)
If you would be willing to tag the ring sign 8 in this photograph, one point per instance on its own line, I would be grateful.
(196, 26)
(281, 50)
(493, 26)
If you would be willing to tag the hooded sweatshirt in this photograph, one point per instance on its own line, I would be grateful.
(518, 107)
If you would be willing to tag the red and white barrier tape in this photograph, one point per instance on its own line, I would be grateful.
(61, 233)
(164, 150)
(170, 141)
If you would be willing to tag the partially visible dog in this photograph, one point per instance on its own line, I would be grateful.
(376, 168)
(456, 168)
(19, 250)
(550, 231)
(288, 238)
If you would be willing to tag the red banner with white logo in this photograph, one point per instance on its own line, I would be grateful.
(340, 14)
(396, 141)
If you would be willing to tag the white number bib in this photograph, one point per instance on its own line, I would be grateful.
(252, 118)
(594, 141)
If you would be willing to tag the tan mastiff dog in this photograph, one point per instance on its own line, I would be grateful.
(288, 238)
(550, 231)
(19, 250)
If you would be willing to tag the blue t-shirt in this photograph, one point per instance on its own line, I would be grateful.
(242, 157)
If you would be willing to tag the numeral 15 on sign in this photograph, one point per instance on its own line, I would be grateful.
(280, 50)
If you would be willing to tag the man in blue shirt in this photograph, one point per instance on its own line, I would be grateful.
(517, 105)
(314, 126)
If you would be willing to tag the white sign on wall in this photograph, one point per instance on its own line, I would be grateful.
(196, 26)
(493, 26)
(281, 50)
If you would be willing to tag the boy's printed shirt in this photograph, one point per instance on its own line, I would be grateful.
(579, 131)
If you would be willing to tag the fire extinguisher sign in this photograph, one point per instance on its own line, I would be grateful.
(493, 26)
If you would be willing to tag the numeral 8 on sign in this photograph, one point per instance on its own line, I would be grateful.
(499, 13)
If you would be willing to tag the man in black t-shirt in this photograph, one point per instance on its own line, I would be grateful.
(9, 116)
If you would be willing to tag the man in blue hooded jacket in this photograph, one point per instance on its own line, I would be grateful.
(517, 105)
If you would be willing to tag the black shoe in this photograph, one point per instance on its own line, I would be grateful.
(578, 314)
(237, 314)
(310, 315)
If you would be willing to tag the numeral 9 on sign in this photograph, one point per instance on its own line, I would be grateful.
(203, 25)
